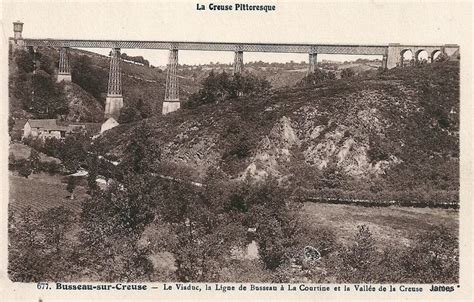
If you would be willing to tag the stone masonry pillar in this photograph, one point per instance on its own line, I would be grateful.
(384, 61)
(313, 60)
(64, 72)
(238, 62)
(393, 55)
(114, 100)
(171, 102)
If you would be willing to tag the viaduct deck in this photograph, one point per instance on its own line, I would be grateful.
(216, 46)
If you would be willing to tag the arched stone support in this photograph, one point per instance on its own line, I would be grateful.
(171, 102)
(238, 62)
(114, 100)
(64, 71)
(395, 53)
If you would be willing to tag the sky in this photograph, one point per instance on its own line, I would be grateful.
(361, 22)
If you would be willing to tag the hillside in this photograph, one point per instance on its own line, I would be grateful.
(85, 97)
(398, 130)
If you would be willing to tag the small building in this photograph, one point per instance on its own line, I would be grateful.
(108, 124)
(44, 128)
(49, 128)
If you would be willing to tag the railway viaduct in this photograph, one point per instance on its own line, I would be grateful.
(392, 56)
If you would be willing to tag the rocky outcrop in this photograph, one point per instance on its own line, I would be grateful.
(82, 106)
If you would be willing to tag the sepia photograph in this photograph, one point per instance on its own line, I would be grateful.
(146, 145)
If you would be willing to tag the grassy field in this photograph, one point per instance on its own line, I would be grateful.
(389, 225)
(41, 192)
(21, 151)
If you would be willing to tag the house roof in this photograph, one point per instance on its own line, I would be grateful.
(89, 127)
(47, 124)
(52, 124)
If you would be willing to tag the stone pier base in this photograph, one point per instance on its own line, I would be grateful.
(113, 105)
(170, 106)
(66, 77)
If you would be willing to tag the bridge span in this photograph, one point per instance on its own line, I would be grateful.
(215, 46)
(392, 56)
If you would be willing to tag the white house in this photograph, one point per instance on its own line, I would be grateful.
(45, 128)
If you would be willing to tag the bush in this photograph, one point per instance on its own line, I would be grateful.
(25, 168)
(220, 87)
(50, 167)
(317, 77)
(361, 257)
(24, 60)
(39, 248)
(434, 258)
(347, 73)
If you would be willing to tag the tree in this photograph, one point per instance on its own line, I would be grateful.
(48, 98)
(333, 176)
(34, 160)
(39, 248)
(46, 63)
(71, 185)
(442, 57)
(361, 257)
(112, 223)
(25, 258)
(434, 258)
(92, 79)
(92, 163)
(74, 150)
(317, 77)
(220, 87)
(143, 154)
(128, 114)
(143, 108)
(25, 169)
(206, 231)
(347, 73)
(24, 60)
(135, 111)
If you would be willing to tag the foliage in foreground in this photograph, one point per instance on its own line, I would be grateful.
(43, 247)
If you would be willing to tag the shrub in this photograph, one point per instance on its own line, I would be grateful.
(39, 248)
(347, 73)
(25, 168)
(220, 87)
(317, 77)
(434, 258)
(359, 258)
(34, 160)
(24, 60)
(50, 167)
